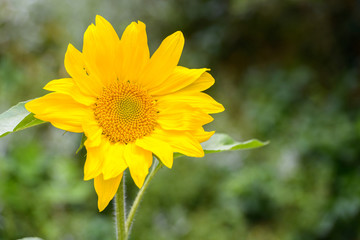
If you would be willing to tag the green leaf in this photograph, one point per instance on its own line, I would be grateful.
(221, 142)
(83, 139)
(17, 118)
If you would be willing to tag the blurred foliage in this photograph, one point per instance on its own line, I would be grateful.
(286, 71)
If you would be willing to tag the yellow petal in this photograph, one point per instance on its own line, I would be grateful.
(106, 31)
(99, 46)
(137, 159)
(178, 79)
(93, 134)
(63, 85)
(181, 116)
(201, 135)
(201, 101)
(106, 189)
(149, 161)
(92, 130)
(94, 161)
(204, 82)
(134, 51)
(114, 163)
(181, 141)
(160, 148)
(67, 86)
(163, 61)
(75, 65)
(59, 109)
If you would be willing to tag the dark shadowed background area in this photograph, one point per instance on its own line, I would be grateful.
(286, 71)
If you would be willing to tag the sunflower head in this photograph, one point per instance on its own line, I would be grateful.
(129, 105)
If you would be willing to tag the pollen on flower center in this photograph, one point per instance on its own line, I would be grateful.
(125, 112)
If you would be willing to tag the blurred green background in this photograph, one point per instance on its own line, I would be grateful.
(286, 71)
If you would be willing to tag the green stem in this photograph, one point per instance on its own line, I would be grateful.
(139, 196)
(120, 211)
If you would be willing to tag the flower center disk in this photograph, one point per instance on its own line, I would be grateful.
(125, 112)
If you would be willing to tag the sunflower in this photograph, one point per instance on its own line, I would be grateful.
(129, 105)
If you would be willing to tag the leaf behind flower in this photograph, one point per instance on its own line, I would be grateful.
(17, 118)
(221, 142)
